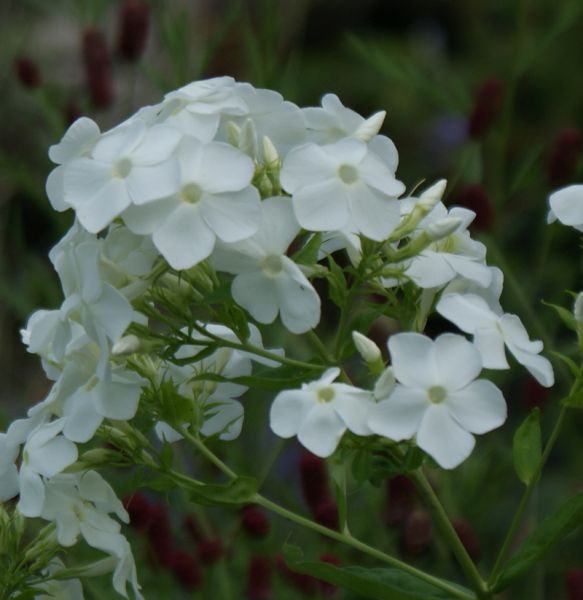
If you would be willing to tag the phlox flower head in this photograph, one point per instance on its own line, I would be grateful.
(437, 399)
(320, 413)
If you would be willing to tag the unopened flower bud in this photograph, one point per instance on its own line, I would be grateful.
(369, 128)
(233, 134)
(248, 138)
(27, 72)
(442, 228)
(430, 197)
(487, 105)
(369, 351)
(270, 153)
(128, 344)
(254, 522)
(134, 21)
(578, 308)
(209, 552)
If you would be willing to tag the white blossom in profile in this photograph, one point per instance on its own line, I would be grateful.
(267, 282)
(566, 205)
(437, 398)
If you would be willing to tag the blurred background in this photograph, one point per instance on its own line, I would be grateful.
(487, 94)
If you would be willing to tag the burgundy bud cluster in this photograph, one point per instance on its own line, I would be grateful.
(486, 108)
(475, 198)
(209, 550)
(316, 490)
(259, 578)
(153, 521)
(564, 155)
(134, 22)
(254, 522)
(97, 63)
(467, 537)
(534, 395)
(27, 72)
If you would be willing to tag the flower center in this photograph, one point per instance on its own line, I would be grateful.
(348, 174)
(437, 394)
(121, 169)
(190, 193)
(272, 265)
(325, 394)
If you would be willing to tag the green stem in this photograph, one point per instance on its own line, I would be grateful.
(361, 546)
(330, 533)
(451, 537)
(517, 518)
(319, 346)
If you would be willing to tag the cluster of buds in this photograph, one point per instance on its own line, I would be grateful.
(316, 490)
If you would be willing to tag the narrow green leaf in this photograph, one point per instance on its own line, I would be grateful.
(569, 362)
(377, 583)
(565, 520)
(565, 315)
(308, 253)
(237, 491)
(574, 400)
(337, 283)
(527, 448)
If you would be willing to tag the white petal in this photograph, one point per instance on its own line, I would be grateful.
(305, 165)
(398, 417)
(458, 361)
(226, 417)
(112, 313)
(490, 344)
(470, 269)
(413, 360)
(158, 143)
(443, 438)
(279, 225)
(117, 400)
(353, 405)
(149, 183)
(430, 270)
(9, 484)
(55, 456)
(55, 189)
(321, 430)
(77, 139)
(289, 410)
(32, 493)
(538, 366)
(233, 216)
(373, 214)
(224, 169)
(166, 433)
(119, 142)
(480, 407)
(298, 301)
(184, 239)
(386, 149)
(515, 335)
(567, 205)
(322, 206)
(83, 178)
(82, 418)
(257, 294)
(102, 208)
(468, 311)
(145, 219)
(377, 175)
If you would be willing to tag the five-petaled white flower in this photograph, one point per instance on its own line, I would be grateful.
(437, 398)
(320, 412)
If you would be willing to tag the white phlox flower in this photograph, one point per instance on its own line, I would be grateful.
(214, 199)
(44, 454)
(55, 589)
(566, 205)
(437, 399)
(492, 331)
(267, 282)
(320, 412)
(132, 163)
(342, 185)
(343, 239)
(78, 141)
(80, 505)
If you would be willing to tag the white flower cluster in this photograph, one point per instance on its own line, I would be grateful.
(231, 175)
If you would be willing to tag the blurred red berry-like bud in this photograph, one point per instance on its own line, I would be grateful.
(467, 536)
(534, 395)
(140, 510)
(194, 529)
(574, 584)
(259, 578)
(416, 533)
(185, 568)
(400, 500)
(209, 552)
(97, 64)
(564, 156)
(487, 105)
(314, 480)
(326, 514)
(158, 532)
(134, 22)
(27, 72)
(475, 198)
(254, 522)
